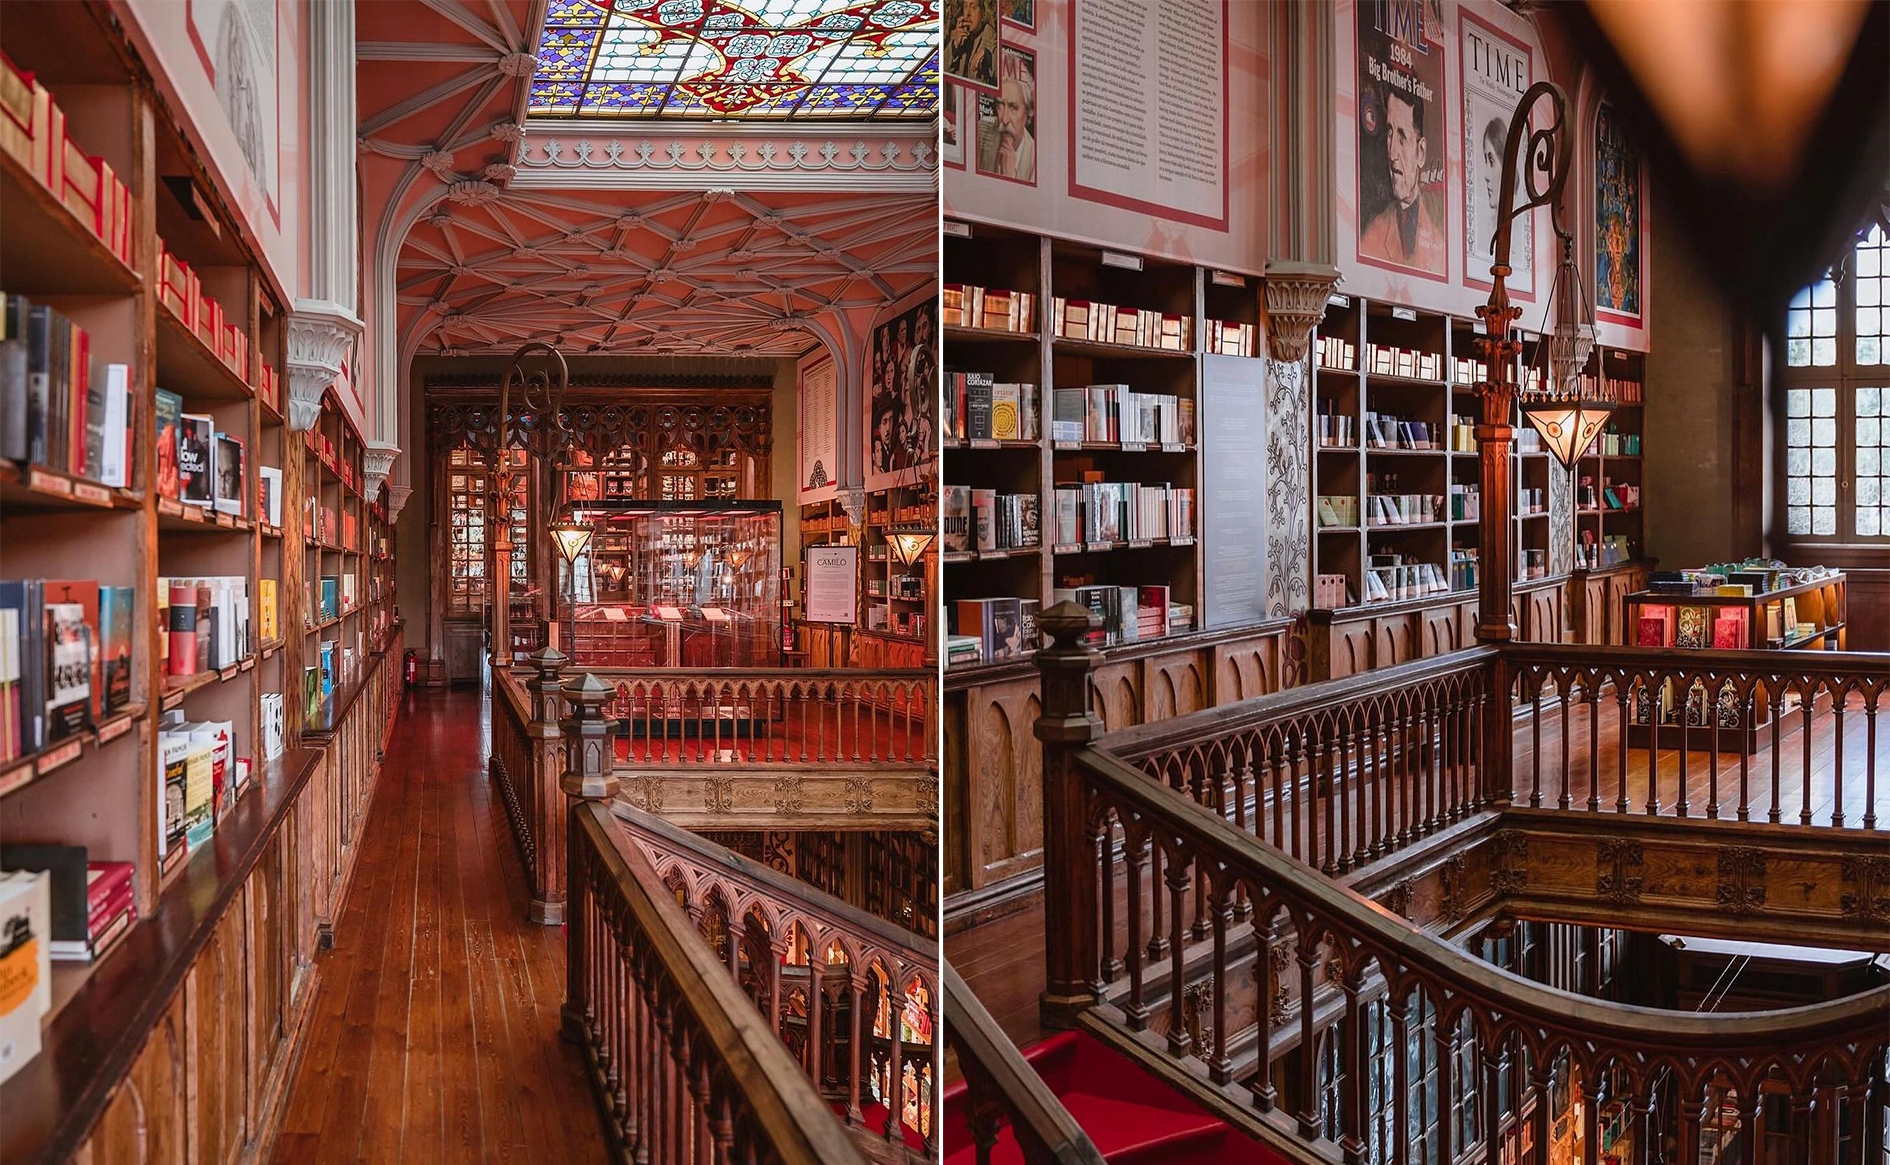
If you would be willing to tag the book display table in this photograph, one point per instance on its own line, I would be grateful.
(1785, 611)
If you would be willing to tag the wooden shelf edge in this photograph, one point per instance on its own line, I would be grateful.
(22, 771)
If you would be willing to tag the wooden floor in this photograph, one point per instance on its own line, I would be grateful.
(434, 1035)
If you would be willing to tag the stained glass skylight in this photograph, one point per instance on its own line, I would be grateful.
(712, 60)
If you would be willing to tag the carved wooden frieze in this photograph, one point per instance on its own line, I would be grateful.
(1866, 894)
(1398, 898)
(1618, 864)
(1509, 861)
(826, 798)
(1454, 878)
(1741, 879)
(635, 432)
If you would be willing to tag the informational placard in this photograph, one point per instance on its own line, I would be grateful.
(820, 425)
(1148, 126)
(833, 584)
(1233, 490)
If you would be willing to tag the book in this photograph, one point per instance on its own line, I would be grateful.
(173, 774)
(10, 746)
(978, 405)
(85, 594)
(1005, 424)
(997, 625)
(311, 692)
(66, 875)
(199, 792)
(26, 599)
(227, 495)
(25, 966)
(955, 517)
(266, 608)
(169, 413)
(181, 629)
(68, 671)
(1691, 629)
(269, 495)
(196, 459)
(115, 632)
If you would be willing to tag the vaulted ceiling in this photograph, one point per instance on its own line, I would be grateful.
(442, 96)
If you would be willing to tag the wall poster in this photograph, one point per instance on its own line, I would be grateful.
(1148, 107)
(1007, 122)
(1402, 143)
(820, 429)
(236, 41)
(902, 435)
(952, 127)
(832, 575)
(1617, 221)
(1497, 71)
(971, 43)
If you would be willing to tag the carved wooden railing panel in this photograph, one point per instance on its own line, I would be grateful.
(1339, 773)
(805, 959)
(683, 1066)
(1002, 1092)
(1777, 736)
(1365, 977)
(774, 717)
(526, 763)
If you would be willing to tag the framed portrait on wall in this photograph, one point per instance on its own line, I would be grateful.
(971, 43)
(1019, 13)
(1403, 146)
(1497, 70)
(952, 126)
(1617, 221)
(236, 44)
(902, 430)
(1007, 120)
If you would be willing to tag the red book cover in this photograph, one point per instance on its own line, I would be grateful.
(85, 593)
(103, 910)
(1726, 632)
(1652, 633)
(183, 631)
(78, 380)
(106, 881)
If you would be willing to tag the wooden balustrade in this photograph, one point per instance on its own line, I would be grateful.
(684, 1067)
(1775, 736)
(774, 716)
(1002, 1091)
(526, 762)
(1242, 917)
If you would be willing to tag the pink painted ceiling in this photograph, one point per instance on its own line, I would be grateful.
(485, 267)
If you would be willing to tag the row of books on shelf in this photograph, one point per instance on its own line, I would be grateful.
(333, 526)
(1612, 495)
(1228, 338)
(1336, 354)
(1390, 431)
(1463, 434)
(898, 586)
(1336, 510)
(200, 778)
(1619, 389)
(909, 624)
(1753, 576)
(182, 294)
(1083, 319)
(200, 465)
(61, 407)
(917, 513)
(965, 305)
(1403, 509)
(1531, 564)
(65, 659)
(1600, 554)
(1662, 704)
(977, 408)
(1392, 577)
(1118, 414)
(983, 519)
(206, 623)
(1094, 510)
(337, 596)
(996, 629)
(1613, 443)
(1463, 568)
(1410, 363)
(1693, 625)
(33, 934)
(33, 130)
(1332, 429)
(1466, 501)
(90, 901)
(1531, 500)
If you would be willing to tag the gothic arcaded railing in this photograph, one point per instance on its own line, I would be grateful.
(853, 997)
(1776, 736)
(683, 1066)
(1195, 921)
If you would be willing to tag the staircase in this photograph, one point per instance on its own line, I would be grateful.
(1133, 1118)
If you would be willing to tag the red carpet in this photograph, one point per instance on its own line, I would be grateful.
(1134, 1118)
(873, 1116)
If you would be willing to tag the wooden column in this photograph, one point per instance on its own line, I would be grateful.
(587, 779)
(1591, 1121)
(856, 1053)
(547, 905)
(1070, 876)
(813, 1016)
(895, 1086)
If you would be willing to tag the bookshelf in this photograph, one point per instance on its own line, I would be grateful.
(195, 321)
(1158, 308)
(1395, 464)
(896, 600)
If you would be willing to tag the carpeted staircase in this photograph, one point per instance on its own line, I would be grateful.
(1133, 1118)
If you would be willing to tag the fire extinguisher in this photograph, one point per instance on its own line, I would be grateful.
(412, 669)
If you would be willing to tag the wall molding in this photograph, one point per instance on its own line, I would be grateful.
(611, 159)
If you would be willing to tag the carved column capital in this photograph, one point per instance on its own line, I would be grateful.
(377, 461)
(322, 335)
(1296, 295)
(397, 496)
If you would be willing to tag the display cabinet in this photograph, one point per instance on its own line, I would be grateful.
(678, 584)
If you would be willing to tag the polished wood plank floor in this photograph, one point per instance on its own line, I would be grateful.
(435, 1029)
(1002, 960)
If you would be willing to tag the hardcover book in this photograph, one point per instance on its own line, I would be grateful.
(199, 792)
(955, 517)
(173, 771)
(169, 411)
(1691, 630)
(196, 457)
(68, 671)
(266, 603)
(269, 494)
(182, 630)
(84, 593)
(228, 496)
(115, 635)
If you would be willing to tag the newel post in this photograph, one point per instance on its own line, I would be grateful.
(1069, 867)
(587, 780)
(548, 809)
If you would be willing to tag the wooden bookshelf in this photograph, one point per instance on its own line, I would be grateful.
(248, 906)
(897, 601)
(1001, 258)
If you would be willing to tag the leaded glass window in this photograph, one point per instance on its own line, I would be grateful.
(712, 60)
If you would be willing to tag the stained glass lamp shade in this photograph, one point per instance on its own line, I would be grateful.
(718, 60)
(909, 545)
(1567, 412)
(572, 537)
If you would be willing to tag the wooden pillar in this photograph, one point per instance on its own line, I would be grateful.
(587, 779)
(813, 1016)
(1591, 1120)
(895, 1088)
(856, 1053)
(1354, 1054)
(1492, 1097)
(547, 905)
(1539, 1118)
(1071, 945)
(1445, 1038)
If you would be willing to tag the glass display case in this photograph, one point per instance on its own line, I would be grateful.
(678, 584)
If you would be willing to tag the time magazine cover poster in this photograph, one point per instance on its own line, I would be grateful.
(1497, 71)
(1402, 155)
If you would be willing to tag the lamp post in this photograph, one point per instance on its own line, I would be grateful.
(1548, 151)
(542, 393)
